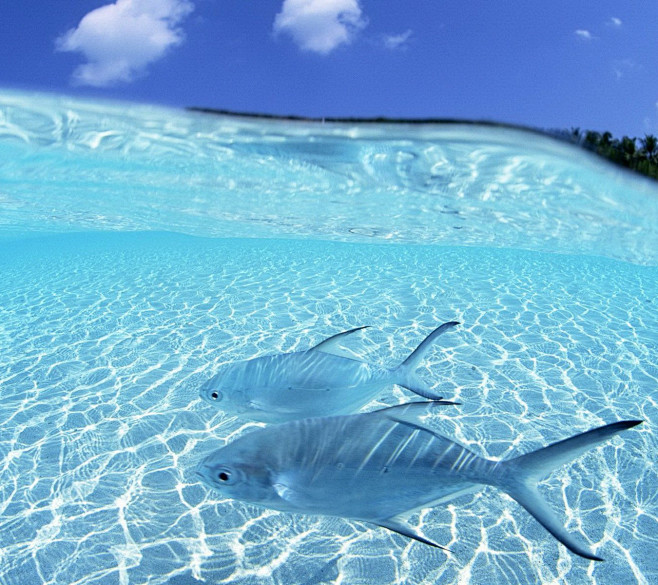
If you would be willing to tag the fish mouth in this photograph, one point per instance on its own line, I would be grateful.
(201, 472)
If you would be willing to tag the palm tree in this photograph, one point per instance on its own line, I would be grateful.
(650, 146)
(624, 152)
(606, 140)
(592, 139)
(628, 148)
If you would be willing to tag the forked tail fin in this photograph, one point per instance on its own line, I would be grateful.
(418, 354)
(405, 372)
(518, 477)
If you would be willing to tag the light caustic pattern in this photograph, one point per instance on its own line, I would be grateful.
(106, 339)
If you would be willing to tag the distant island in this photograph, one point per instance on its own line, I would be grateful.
(640, 155)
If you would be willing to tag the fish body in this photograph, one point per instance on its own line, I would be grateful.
(314, 382)
(380, 467)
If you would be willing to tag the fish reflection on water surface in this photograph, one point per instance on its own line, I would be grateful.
(314, 382)
(381, 466)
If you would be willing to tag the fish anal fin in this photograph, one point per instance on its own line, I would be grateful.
(469, 489)
(412, 413)
(462, 491)
(412, 382)
(399, 526)
(331, 344)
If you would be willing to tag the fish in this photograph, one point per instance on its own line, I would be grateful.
(314, 382)
(379, 467)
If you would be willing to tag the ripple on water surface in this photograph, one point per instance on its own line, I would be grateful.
(76, 165)
(105, 340)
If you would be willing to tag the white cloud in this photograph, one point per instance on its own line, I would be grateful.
(397, 41)
(320, 25)
(614, 21)
(583, 34)
(624, 67)
(120, 40)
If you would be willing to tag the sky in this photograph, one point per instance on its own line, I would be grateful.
(591, 64)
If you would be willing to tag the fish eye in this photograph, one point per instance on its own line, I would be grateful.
(214, 396)
(225, 476)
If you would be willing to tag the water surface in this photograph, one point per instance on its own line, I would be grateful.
(141, 248)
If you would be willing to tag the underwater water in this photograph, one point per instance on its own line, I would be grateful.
(142, 248)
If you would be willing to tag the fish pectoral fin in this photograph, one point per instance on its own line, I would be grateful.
(283, 491)
(290, 495)
(331, 344)
(401, 527)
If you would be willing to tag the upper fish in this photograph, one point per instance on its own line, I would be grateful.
(381, 466)
(314, 382)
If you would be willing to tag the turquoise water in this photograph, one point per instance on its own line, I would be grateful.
(142, 248)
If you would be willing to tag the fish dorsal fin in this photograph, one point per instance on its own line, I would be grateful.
(399, 526)
(331, 344)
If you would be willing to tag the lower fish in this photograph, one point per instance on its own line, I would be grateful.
(315, 382)
(380, 467)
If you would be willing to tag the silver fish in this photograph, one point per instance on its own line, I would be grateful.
(381, 466)
(314, 382)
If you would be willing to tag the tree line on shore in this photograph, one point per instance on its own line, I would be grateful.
(639, 155)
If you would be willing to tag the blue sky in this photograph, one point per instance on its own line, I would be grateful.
(558, 64)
